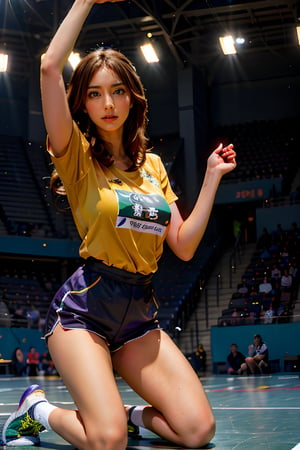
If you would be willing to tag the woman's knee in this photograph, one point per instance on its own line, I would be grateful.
(200, 433)
(110, 438)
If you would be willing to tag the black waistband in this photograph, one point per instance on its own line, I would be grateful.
(118, 274)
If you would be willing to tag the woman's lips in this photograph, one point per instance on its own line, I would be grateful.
(110, 118)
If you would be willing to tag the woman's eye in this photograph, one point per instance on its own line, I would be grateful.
(119, 91)
(93, 94)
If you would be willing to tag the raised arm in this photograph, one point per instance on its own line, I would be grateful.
(57, 117)
(184, 236)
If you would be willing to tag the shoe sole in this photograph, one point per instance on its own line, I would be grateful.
(24, 441)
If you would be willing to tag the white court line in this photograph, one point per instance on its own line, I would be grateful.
(289, 377)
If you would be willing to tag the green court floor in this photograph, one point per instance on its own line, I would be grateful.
(261, 412)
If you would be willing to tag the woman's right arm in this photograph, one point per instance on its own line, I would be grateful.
(57, 116)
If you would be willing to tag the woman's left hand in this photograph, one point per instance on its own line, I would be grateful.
(222, 159)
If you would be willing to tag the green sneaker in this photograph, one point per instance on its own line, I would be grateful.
(21, 428)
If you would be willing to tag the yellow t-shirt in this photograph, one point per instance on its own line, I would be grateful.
(122, 217)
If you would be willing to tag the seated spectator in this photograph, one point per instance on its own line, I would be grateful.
(5, 320)
(294, 272)
(19, 317)
(284, 255)
(33, 316)
(256, 306)
(236, 315)
(269, 315)
(33, 362)
(18, 363)
(286, 281)
(253, 291)
(265, 287)
(198, 359)
(243, 288)
(283, 314)
(275, 273)
(234, 360)
(257, 360)
(46, 365)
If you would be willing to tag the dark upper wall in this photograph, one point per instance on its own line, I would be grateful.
(240, 89)
(13, 105)
(254, 86)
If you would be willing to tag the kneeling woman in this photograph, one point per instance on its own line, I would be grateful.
(124, 210)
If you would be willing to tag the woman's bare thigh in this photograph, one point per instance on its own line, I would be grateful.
(157, 370)
(84, 363)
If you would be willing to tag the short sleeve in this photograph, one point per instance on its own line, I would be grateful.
(155, 166)
(75, 163)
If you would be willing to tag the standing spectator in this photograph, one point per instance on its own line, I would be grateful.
(257, 360)
(234, 360)
(33, 358)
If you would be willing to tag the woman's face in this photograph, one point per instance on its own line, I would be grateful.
(108, 102)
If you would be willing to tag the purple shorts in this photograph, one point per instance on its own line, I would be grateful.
(117, 305)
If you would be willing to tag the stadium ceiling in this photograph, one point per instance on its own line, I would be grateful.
(187, 29)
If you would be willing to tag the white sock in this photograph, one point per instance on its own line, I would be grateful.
(42, 411)
(137, 416)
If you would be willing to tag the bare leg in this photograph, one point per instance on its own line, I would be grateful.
(156, 369)
(84, 363)
(251, 363)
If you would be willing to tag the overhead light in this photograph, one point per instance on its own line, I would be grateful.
(149, 53)
(240, 40)
(3, 62)
(74, 60)
(227, 45)
(298, 33)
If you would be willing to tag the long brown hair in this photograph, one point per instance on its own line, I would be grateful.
(134, 139)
